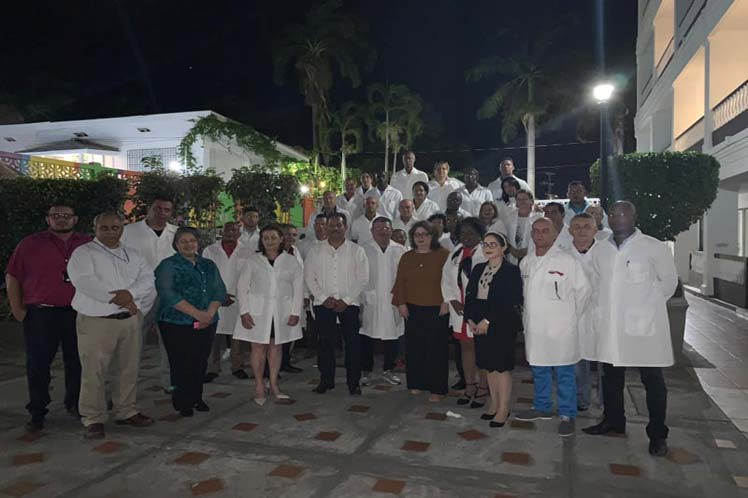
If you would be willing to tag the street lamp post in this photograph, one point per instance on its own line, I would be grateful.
(602, 93)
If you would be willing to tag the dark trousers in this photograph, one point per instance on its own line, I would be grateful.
(427, 349)
(614, 381)
(286, 360)
(327, 334)
(44, 330)
(367, 353)
(188, 351)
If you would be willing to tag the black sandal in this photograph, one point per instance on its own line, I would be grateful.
(467, 398)
(478, 404)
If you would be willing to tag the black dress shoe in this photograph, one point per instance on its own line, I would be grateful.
(210, 377)
(658, 447)
(291, 369)
(240, 374)
(322, 388)
(487, 416)
(495, 424)
(187, 412)
(603, 428)
(35, 425)
(202, 406)
(355, 391)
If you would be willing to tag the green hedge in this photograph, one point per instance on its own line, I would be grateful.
(24, 203)
(671, 190)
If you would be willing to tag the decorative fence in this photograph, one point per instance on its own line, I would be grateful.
(45, 167)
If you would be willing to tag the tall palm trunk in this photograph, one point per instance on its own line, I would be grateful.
(531, 151)
(315, 144)
(386, 140)
(394, 159)
(342, 166)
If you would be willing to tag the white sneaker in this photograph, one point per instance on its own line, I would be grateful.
(226, 354)
(390, 377)
(364, 378)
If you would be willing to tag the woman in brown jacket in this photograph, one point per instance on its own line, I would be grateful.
(417, 294)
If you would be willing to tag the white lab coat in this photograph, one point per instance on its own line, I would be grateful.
(451, 281)
(389, 201)
(472, 201)
(380, 319)
(361, 229)
(556, 293)
(154, 248)
(438, 193)
(250, 239)
(569, 213)
(495, 187)
(348, 221)
(270, 294)
(229, 268)
(354, 205)
(522, 240)
(404, 181)
(634, 281)
(426, 209)
(564, 239)
(399, 224)
(586, 329)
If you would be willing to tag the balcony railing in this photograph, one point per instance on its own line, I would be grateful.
(690, 137)
(646, 89)
(666, 57)
(730, 107)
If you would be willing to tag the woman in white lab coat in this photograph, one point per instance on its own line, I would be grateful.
(270, 295)
(518, 221)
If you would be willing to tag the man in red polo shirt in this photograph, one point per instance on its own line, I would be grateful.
(40, 293)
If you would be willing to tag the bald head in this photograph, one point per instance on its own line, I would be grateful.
(406, 209)
(543, 234)
(622, 219)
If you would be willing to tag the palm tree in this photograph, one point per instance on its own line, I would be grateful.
(524, 91)
(327, 38)
(345, 132)
(394, 118)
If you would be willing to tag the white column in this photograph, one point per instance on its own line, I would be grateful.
(707, 283)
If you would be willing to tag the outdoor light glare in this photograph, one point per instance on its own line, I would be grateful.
(304, 189)
(603, 92)
(175, 166)
(322, 184)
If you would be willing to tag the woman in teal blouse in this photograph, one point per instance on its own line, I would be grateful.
(190, 292)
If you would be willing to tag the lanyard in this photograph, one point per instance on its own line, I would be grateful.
(126, 259)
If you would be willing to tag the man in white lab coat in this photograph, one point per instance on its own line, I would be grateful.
(229, 255)
(381, 319)
(442, 185)
(329, 207)
(153, 238)
(350, 200)
(389, 197)
(250, 230)
(555, 212)
(636, 276)
(474, 194)
(361, 229)
(404, 179)
(506, 170)
(405, 218)
(584, 244)
(556, 293)
(424, 207)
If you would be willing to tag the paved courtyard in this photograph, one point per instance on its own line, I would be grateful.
(388, 442)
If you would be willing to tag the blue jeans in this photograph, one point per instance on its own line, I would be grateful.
(584, 386)
(566, 389)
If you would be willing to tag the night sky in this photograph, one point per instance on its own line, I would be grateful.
(85, 59)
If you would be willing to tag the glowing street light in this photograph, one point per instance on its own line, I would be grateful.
(602, 94)
(175, 166)
(304, 189)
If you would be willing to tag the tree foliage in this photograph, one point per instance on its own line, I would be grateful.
(266, 190)
(24, 203)
(394, 116)
(671, 190)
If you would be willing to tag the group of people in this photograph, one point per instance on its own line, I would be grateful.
(471, 265)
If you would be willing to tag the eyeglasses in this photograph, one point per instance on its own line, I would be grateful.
(61, 216)
(490, 245)
(420, 235)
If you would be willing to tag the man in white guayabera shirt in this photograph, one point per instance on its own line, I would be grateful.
(404, 179)
(114, 288)
(442, 185)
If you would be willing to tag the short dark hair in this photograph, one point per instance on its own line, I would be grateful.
(423, 184)
(576, 183)
(560, 207)
(320, 216)
(161, 197)
(405, 152)
(250, 209)
(515, 184)
(381, 219)
(473, 223)
(60, 205)
(507, 158)
(583, 216)
(438, 216)
(340, 215)
(429, 228)
(526, 192)
(270, 227)
(181, 231)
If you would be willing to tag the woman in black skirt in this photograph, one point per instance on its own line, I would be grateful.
(492, 301)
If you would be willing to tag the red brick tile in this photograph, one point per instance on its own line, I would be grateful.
(682, 457)
(154, 389)
(358, 408)
(303, 417)
(244, 426)
(109, 447)
(522, 424)
(30, 437)
(526, 401)
(192, 458)
(516, 458)
(436, 416)
(220, 395)
(20, 488)
(417, 446)
(618, 469)
(206, 487)
(285, 401)
(27, 458)
(389, 486)
(287, 471)
(472, 435)
(383, 387)
(327, 436)
(172, 417)
(162, 401)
